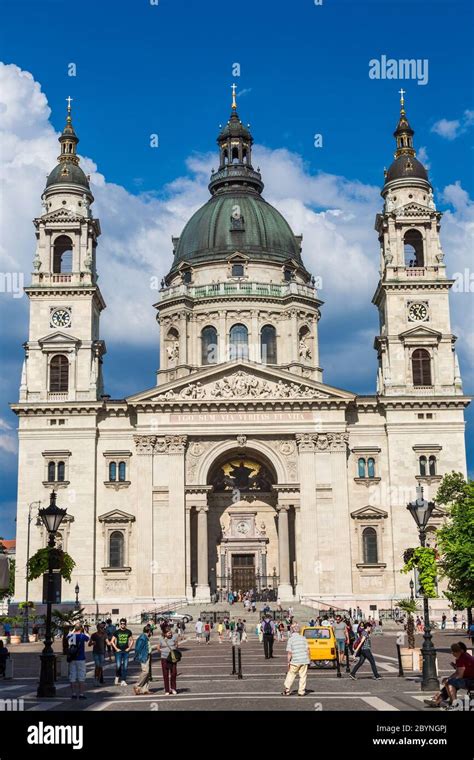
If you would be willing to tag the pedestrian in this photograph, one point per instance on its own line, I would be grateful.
(325, 622)
(470, 633)
(220, 630)
(198, 628)
(268, 629)
(77, 661)
(4, 655)
(7, 629)
(231, 629)
(110, 629)
(461, 678)
(170, 656)
(122, 643)
(443, 622)
(341, 634)
(207, 633)
(312, 623)
(363, 649)
(455, 622)
(244, 636)
(239, 628)
(298, 660)
(143, 649)
(259, 632)
(97, 641)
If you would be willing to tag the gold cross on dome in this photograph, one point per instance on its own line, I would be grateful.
(402, 92)
(69, 101)
(234, 104)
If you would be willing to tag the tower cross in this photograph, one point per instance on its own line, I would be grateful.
(234, 104)
(402, 92)
(69, 101)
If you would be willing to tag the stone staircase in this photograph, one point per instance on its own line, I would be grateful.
(302, 614)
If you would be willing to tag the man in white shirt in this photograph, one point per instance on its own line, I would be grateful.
(199, 628)
(298, 660)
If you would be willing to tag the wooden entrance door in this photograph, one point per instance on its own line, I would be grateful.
(243, 572)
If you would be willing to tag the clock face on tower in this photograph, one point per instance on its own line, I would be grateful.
(418, 312)
(243, 528)
(61, 318)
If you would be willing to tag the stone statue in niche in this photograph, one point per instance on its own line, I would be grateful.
(305, 351)
(173, 351)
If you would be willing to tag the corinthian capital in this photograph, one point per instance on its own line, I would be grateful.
(145, 444)
(306, 441)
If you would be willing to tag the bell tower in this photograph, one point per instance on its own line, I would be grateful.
(63, 354)
(415, 345)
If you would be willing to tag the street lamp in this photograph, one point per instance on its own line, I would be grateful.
(421, 510)
(26, 620)
(412, 597)
(76, 591)
(51, 517)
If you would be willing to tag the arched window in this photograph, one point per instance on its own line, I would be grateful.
(112, 471)
(209, 345)
(371, 468)
(421, 367)
(361, 467)
(116, 549)
(61, 471)
(413, 247)
(172, 347)
(369, 541)
(122, 471)
(422, 462)
(432, 465)
(62, 255)
(268, 345)
(59, 374)
(51, 472)
(239, 343)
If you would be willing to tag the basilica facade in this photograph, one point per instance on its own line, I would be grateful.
(241, 467)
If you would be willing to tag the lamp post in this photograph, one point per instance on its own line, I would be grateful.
(77, 606)
(26, 619)
(421, 511)
(412, 597)
(51, 517)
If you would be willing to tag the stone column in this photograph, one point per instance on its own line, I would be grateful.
(309, 566)
(222, 338)
(202, 588)
(145, 445)
(189, 587)
(285, 591)
(341, 518)
(294, 357)
(298, 552)
(175, 446)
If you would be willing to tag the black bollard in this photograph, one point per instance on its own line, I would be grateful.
(150, 676)
(239, 675)
(400, 666)
(346, 651)
(338, 664)
(233, 661)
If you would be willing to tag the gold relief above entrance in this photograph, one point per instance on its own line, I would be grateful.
(242, 474)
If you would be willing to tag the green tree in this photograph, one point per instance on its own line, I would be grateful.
(9, 592)
(456, 540)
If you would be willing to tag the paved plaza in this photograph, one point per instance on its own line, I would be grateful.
(205, 681)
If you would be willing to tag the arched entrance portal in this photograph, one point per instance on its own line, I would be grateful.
(249, 539)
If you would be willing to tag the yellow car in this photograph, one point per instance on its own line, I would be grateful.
(322, 645)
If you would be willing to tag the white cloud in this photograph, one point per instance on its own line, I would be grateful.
(8, 439)
(422, 155)
(451, 129)
(334, 214)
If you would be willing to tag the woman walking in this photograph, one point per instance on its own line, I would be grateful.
(170, 656)
(363, 650)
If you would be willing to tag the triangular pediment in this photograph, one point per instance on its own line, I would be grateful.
(58, 338)
(420, 332)
(62, 215)
(414, 209)
(369, 512)
(237, 381)
(116, 516)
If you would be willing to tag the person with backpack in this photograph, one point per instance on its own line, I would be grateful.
(76, 658)
(143, 649)
(207, 632)
(239, 629)
(363, 650)
(268, 629)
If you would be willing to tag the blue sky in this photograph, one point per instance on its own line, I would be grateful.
(167, 69)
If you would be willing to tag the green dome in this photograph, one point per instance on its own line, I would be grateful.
(212, 234)
(74, 176)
